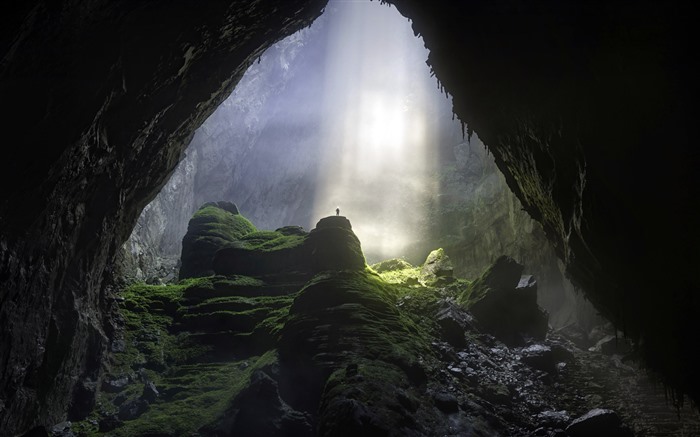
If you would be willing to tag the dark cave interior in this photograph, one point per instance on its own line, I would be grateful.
(586, 107)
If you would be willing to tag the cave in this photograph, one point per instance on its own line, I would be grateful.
(585, 107)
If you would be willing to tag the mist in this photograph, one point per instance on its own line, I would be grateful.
(343, 115)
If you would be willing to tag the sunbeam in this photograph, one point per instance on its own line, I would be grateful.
(375, 128)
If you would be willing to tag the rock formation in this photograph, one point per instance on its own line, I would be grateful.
(336, 351)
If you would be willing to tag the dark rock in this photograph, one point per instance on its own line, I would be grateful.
(258, 410)
(348, 417)
(108, 423)
(39, 431)
(118, 345)
(334, 246)
(554, 419)
(504, 274)
(437, 265)
(539, 357)
(351, 370)
(611, 345)
(453, 322)
(496, 393)
(577, 335)
(561, 353)
(150, 392)
(212, 227)
(506, 305)
(291, 230)
(84, 398)
(334, 221)
(115, 385)
(120, 399)
(446, 402)
(599, 423)
(407, 401)
(132, 409)
(62, 429)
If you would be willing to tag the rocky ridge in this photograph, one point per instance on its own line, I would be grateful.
(341, 350)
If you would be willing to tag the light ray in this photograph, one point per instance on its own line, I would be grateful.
(377, 160)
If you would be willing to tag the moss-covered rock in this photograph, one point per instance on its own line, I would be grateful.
(350, 345)
(437, 267)
(390, 265)
(213, 226)
(332, 245)
(506, 304)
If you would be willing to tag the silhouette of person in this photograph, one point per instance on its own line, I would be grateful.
(337, 211)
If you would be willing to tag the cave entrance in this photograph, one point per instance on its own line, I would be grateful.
(342, 114)
(347, 114)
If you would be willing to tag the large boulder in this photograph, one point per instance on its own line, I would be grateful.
(437, 266)
(505, 304)
(332, 245)
(213, 227)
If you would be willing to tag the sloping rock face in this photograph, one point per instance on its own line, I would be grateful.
(577, 128)
(105, 96)
(506, 304)
(214, 226)
(330, 246)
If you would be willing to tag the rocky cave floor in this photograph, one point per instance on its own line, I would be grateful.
(389, 350)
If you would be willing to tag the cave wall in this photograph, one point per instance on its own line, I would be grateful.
(104, 97)
(585, 106)
(235, 156)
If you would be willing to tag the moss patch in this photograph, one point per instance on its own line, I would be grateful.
(210, 229)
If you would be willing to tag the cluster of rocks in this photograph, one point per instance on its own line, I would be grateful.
(129, 409)
(311, 342)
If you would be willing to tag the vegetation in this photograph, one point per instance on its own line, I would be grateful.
(210, 229)
(268, 241)
(358, 332)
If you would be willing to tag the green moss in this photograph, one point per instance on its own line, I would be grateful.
(196, 388)
(210, 229)
(391, 264)
(210, 388)
(216, 222)
(407, 276)
(347, 306)
(268, 241)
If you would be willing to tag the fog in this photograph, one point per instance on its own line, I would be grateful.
(357, 120)
(377, 94)
(342, 114)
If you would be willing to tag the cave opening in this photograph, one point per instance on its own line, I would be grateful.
(342, 114)
(346, 113)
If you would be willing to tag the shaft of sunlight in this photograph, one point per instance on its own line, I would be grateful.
(378, 165)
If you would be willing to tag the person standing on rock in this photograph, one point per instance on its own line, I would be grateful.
(337, 211)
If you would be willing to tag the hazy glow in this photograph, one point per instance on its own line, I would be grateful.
(376, 159)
